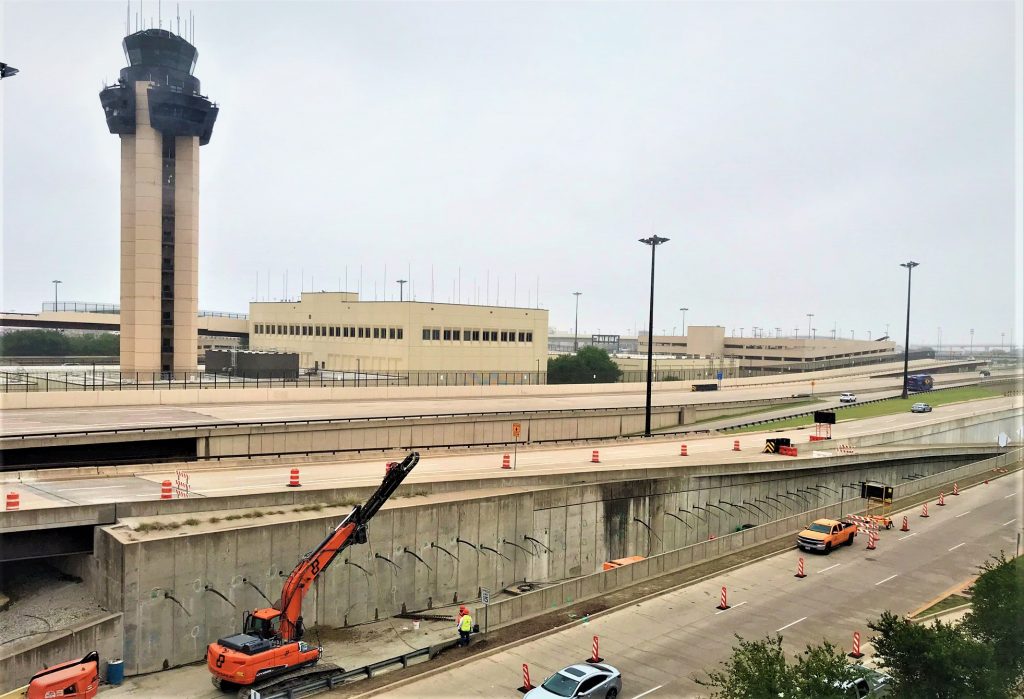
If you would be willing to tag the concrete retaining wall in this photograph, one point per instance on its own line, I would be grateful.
(169, 587)
(513, 609)
(980, 428)
(22, 659)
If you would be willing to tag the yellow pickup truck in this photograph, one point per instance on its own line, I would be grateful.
(825, 535)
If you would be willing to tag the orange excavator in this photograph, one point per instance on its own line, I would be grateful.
(270, 652)
(74, 679)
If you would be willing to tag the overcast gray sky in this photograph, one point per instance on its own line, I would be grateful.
(794, 152)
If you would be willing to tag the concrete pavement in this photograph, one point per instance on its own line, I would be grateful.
(67, 419)
(665, 644)
(209, 479)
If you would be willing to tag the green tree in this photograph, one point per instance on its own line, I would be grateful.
(756, 670)
(937, 661)
(821, 672)
(589, 365)
(51, 343)
(997, 616)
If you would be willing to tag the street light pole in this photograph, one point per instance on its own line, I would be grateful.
(809, 317)
(401, 289)
(55, 283)
(972, 342)
(906, 343)
(684, 310)
(576, 332)
(654, 241)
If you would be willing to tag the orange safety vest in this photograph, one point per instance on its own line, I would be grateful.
(466, 623)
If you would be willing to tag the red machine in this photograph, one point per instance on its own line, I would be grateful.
(76, 678)
(270, 644)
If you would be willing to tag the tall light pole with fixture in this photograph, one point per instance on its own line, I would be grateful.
(809, 317)
(972, 342)
(55, 283)
(654, 241)
(401, 289)
(576, 332)
(906, 343)
(684, 309)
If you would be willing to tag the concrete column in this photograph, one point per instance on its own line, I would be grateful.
(186, 253)
(140, 271)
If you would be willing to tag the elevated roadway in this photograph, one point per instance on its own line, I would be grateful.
(409, 402)
(664, 644)
(95, 485)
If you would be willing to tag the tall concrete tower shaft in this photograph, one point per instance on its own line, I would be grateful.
(157, 110)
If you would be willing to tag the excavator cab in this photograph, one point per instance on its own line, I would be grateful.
(76, 678)
(263, 623)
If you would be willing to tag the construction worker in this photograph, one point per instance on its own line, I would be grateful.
(465, 626)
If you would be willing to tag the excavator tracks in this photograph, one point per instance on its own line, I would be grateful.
(294, 685)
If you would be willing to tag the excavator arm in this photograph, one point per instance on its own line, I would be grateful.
(351, 530)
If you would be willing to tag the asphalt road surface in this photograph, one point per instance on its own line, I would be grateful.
(664, 644)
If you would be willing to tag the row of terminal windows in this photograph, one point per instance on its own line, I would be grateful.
(476, 335)
(350, 331)
(378, 333)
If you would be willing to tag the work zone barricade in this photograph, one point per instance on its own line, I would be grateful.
(13, 501)
(856, 646)
(800, 568)
(181, 484)
(595, 655)
(506, 461)
(526, 679)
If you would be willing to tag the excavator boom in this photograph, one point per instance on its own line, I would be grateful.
(261, 650)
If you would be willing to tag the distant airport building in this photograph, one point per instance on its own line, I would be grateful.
(162, 118)
(467, 344)
(771, 354)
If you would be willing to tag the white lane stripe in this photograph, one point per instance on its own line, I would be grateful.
(722, 611)
(1010, 522)
(962, 514)
(98, 487)
(652, 689)
(908, 536)
(834, 565)
(1010, 495)
(886, 580)
(958, 545)
(790, 624)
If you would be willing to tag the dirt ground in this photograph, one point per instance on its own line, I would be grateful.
(43, 599)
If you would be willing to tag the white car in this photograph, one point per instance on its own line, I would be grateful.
(847, 398)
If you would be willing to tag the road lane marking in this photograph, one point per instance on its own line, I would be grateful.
(652, 689)
(97, 487)
(1010, 495)
(886, 580)
(1010, 522)
(790, 624)
(963, 513)
(722, 611)
(908, 536)
(834, 565)
(958, 545)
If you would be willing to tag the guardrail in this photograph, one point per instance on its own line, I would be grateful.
(805, 413)
(343, 677)
(561, 594)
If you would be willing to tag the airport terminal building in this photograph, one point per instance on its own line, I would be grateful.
(772, 354)
(335, 331)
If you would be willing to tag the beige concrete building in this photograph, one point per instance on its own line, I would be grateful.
(336, 331)
(162, 119)
(774, 353)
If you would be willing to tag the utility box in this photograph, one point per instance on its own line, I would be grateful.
(252, 364)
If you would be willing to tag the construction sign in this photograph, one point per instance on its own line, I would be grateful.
(516, 429)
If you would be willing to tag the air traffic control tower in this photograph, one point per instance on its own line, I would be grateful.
(157, 110)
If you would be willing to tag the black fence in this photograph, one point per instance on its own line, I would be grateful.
(101, 380)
